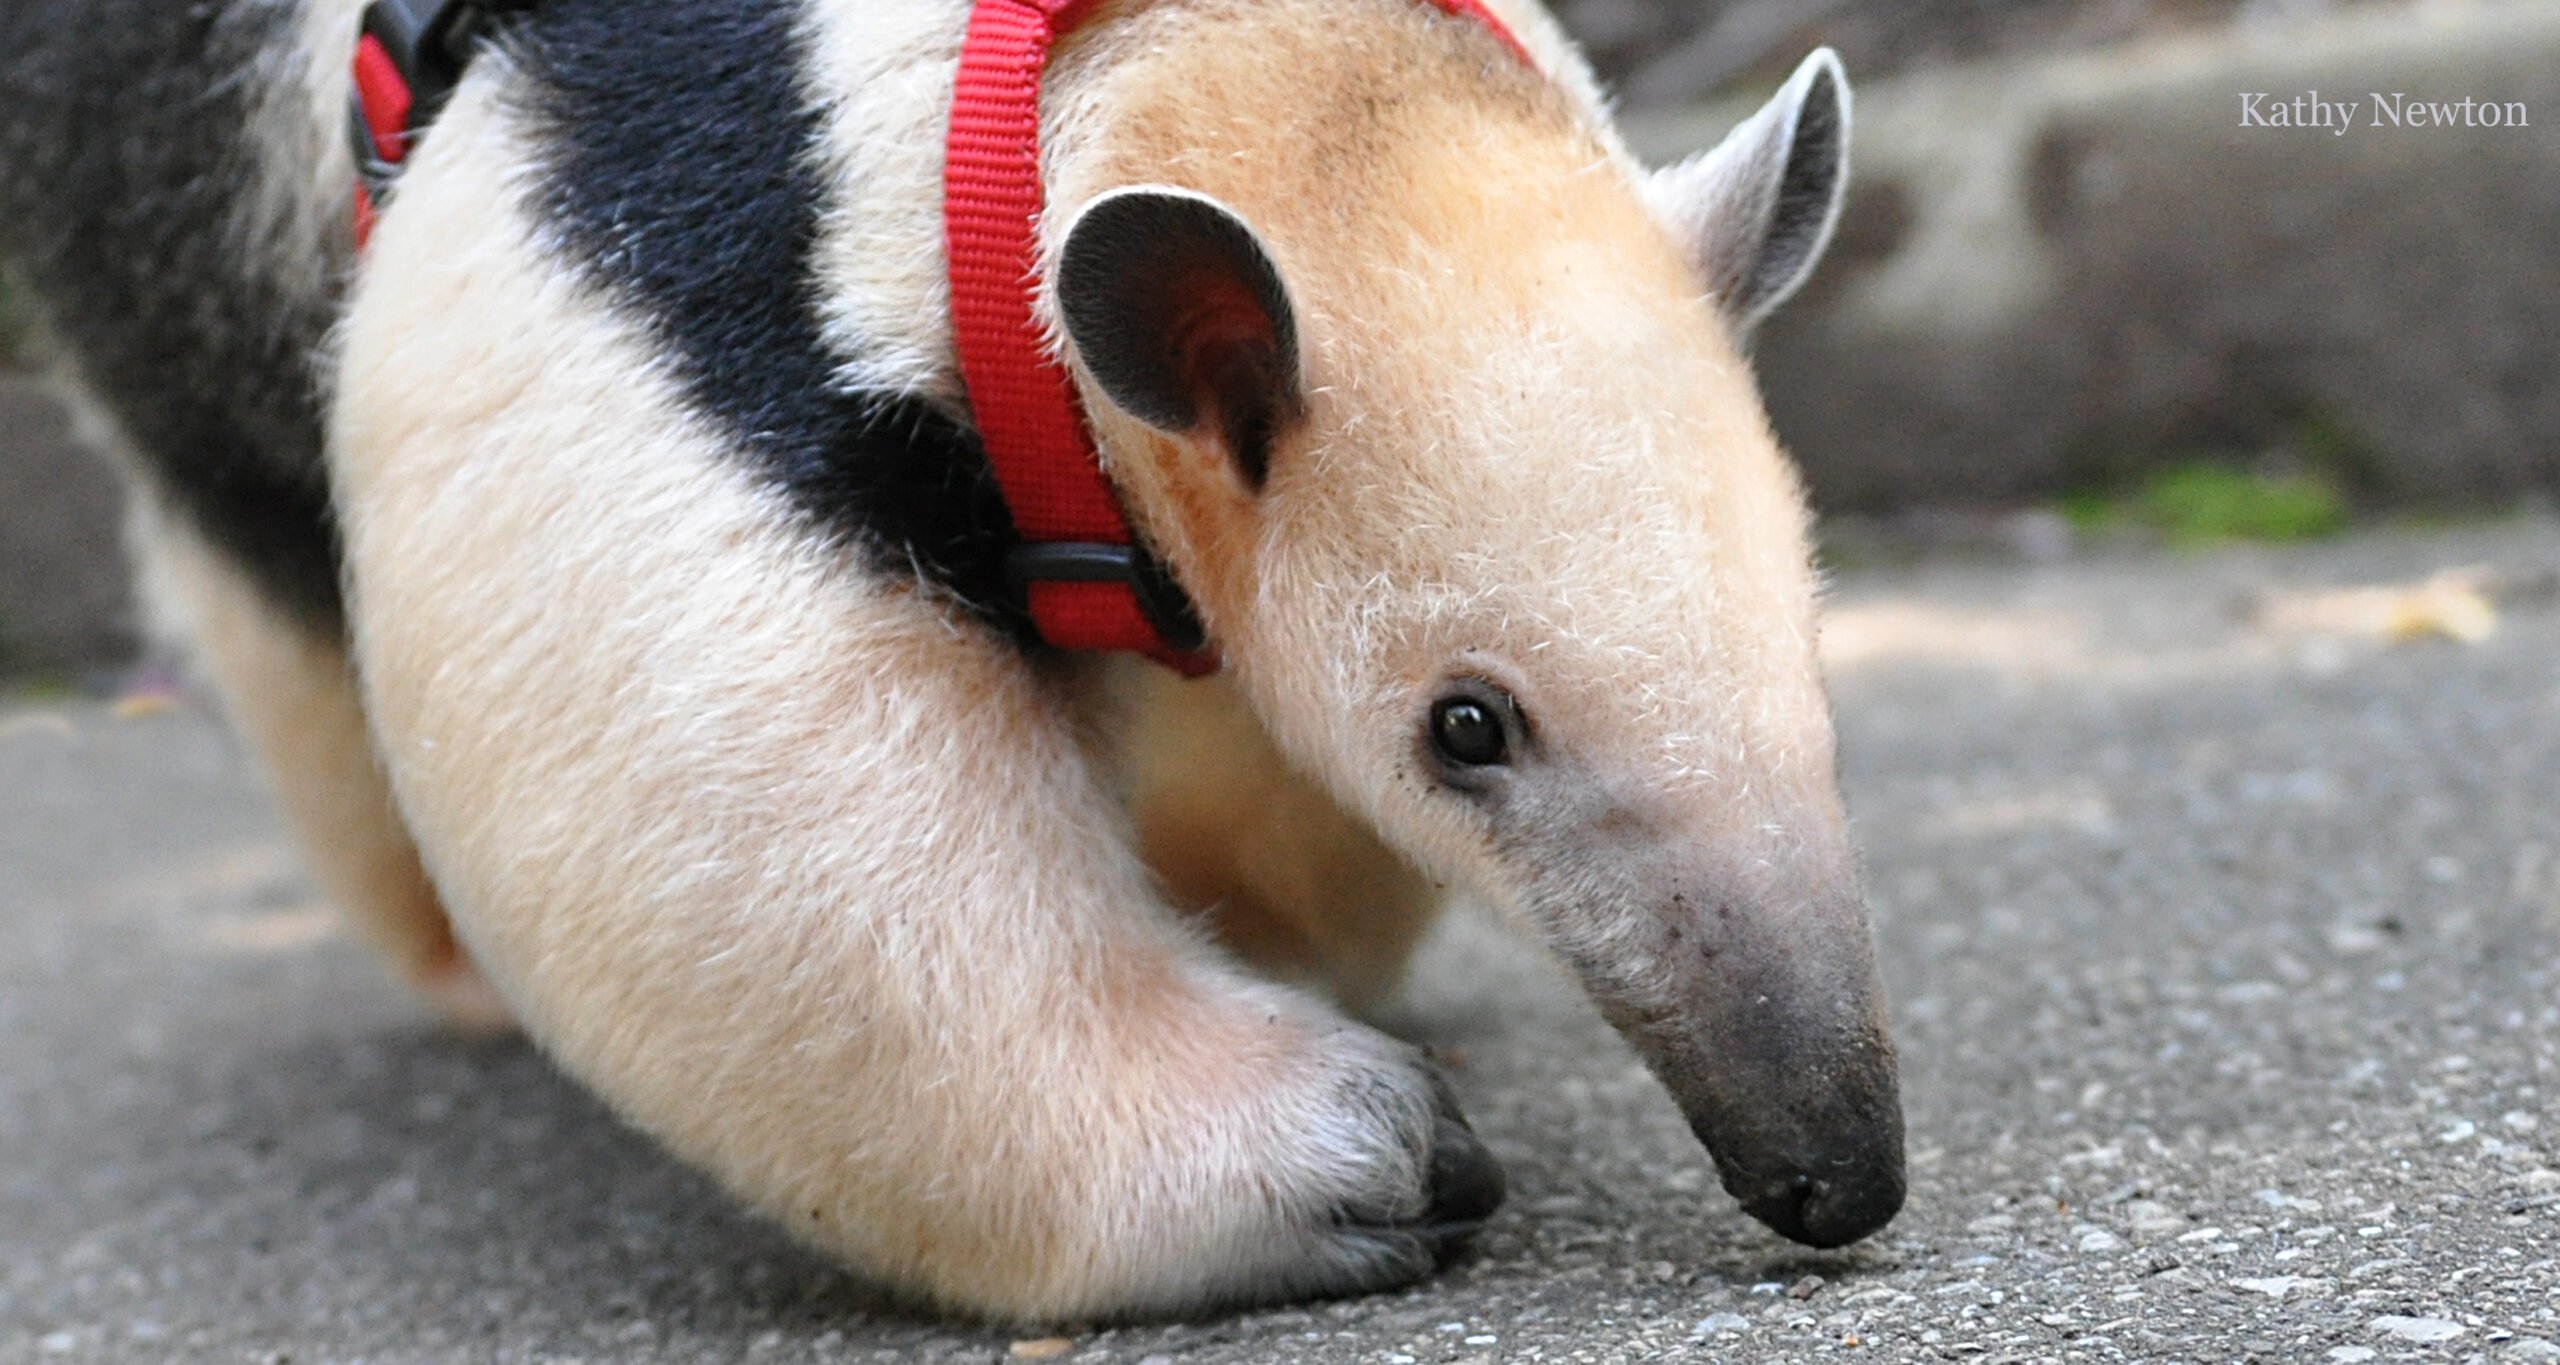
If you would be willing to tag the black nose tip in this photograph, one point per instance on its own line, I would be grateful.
(1829, 1210)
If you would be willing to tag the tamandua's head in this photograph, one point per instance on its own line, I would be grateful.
(1453, 444)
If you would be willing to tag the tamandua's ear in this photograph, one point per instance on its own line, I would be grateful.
(1756, 211)
(1179, 315)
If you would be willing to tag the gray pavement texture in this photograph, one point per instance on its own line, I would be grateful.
(2223, 936)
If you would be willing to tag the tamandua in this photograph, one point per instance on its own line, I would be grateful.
(608, 565)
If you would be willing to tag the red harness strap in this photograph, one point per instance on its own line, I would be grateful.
(382, 123)
(1086, 582)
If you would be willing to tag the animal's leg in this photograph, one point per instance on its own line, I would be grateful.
(815, 887)
(801, 869)
(1280, 872)
(288, 689)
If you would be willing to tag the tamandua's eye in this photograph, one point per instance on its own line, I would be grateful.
(1466, 731)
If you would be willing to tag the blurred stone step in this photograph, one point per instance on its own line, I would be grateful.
(2053, 271)
(65, 595)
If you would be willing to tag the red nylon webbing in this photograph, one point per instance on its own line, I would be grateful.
(1025, 404)
(382, 93)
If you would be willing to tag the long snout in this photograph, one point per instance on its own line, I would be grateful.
(1763, 1016)
(1779, 1059)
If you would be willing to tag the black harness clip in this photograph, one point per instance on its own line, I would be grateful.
(428, 42)
(1160, 599)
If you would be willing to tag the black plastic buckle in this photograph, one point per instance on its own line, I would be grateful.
(429, 41)
(1161, 600)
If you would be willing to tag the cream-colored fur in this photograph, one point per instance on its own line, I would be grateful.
(1268, 861)
(889, 925)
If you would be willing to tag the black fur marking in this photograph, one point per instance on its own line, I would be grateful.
(122, 153)
(677, 174)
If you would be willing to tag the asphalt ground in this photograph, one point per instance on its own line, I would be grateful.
(2222, 930)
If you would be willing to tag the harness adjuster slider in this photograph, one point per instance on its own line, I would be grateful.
(1161, 600)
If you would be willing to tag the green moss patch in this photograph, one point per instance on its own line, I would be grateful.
(2206, 502)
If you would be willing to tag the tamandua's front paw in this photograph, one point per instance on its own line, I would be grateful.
(1397, 1221)
(1311, 1157)
(1365, 1184)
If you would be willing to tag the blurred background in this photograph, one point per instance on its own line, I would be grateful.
(2073, 299)
(2069, 276)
